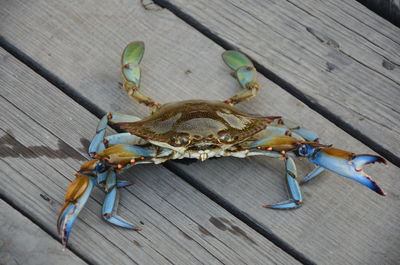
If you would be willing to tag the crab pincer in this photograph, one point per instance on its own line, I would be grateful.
(348, 165)
(77, 195)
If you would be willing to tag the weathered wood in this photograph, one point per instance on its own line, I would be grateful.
(44, 137)
(340, 220)
(340, 56)
(23, 242)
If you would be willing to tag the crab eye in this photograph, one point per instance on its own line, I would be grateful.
(100, 167)
(225, 138)
(303, 150)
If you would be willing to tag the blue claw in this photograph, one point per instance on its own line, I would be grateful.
(77, 195)
(348, 165)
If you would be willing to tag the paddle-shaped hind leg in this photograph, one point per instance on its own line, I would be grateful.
(111, 202)
(293, 187)
(131, 58)
(245, 73)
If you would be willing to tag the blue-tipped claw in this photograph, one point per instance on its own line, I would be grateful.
(348, 165)
(77, 195)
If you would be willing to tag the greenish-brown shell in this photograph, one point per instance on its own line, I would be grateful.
(197, 122)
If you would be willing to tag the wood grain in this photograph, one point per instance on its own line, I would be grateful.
(338, 55)
(340, 220)
(23, 242)
(44, 137)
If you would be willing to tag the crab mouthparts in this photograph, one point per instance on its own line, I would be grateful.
(203, 147)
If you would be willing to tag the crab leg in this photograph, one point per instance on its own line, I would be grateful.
(278, 146)
(293, 187)
(245, 73)
(131, 58)
(111, 202)
(294, 127)
(318, 170)
(121, 156)
(98, 142)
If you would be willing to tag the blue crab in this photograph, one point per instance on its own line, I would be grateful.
(199, 129)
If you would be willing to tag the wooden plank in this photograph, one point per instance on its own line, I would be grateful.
(44, 137)
(340, 220)
(341, 57)
(23, 242)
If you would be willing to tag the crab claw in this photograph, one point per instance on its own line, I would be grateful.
(348, 165)
(77, 194)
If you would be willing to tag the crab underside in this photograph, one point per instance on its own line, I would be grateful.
(199, 129)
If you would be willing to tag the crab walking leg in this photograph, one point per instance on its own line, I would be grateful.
(75, 199)
(293, 187)
(97, 144)
(318, 170)
(98, 137)
(111, 202)
(102, 174)
(294, 127)
(245, 73)
(130, 60)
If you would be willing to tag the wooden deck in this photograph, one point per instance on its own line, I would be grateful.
(334, 66)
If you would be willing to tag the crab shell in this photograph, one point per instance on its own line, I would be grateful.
(197, 125)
